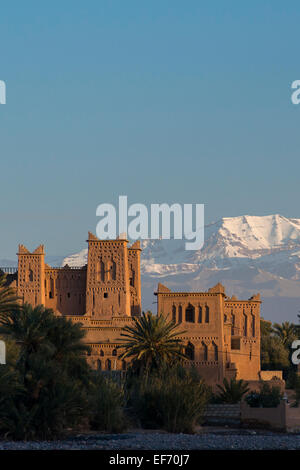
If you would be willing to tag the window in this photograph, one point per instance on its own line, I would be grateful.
(200, 314)
(253, 325)
(105, 295)
(216, 352)
(114, 353)
(190, 314)
(190, 351)
(235, 343)
(108, 364)
(232, 323)
(180, 314)
(174, 314)
(69, 295)
(205, 351)
(245, 326)
(99, 364)
(206, 314)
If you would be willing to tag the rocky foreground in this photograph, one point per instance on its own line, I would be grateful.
(205, 440)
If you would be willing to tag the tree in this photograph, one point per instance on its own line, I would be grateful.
(151, 342)
(51, 371)
(274, 355)
(286, 332)
(8, 298)
(233, 391)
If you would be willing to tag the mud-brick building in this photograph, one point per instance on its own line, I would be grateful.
(221, 334)
(104, 295)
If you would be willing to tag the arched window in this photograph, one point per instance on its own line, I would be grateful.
(114, 353)
(245, 326)
(179, 314)
(190, 314)
(232, 323)
(253, 324)
(108, 364)
(190, 351)
(200, 314)
(206, 314)
(174, 314)
(102, 353)
(205, 351)
(216, 352)
(99, 364)
(30, 275)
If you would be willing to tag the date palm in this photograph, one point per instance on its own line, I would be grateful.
(286, 332)
(152, 341)
(232, 391)
(8, 297)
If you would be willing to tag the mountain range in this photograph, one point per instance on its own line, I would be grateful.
(247, 254)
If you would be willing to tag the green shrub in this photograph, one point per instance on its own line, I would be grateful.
(172, 399)
(46, 375)
(231, 391)
(106, 404)
(268, 397)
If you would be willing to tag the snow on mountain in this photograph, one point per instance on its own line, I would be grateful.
(248, 254)
(78, 259)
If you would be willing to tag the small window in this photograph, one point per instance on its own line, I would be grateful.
(235, 344)
(69, 295)
(105, 295)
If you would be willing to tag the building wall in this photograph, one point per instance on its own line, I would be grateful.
(103, 296)
(222, 334)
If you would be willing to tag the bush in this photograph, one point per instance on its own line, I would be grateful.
(231, 392)
(172, 399)
(268, 397)
(44, 383)
(106, 404)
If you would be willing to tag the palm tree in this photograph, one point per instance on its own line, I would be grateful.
(28, 327)
(8, 298)
(286, 332)
(151, 342)
(38, 330)
(233, 391)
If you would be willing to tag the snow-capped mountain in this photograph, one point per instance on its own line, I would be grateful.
(248, 254)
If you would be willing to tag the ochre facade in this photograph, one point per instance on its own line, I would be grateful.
(221, 334)
(104, 295)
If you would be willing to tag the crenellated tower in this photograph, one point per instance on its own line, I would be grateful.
(108, 285)
(31, 275)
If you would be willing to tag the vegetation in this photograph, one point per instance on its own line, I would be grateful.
(152, 342)
(275, 350)
(170, 398)
(231, 391)
(46, 374)
(47, 387)
(268, 397)
(8, 299)
(106, 405)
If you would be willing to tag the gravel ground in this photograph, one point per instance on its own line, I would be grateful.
(228, 439)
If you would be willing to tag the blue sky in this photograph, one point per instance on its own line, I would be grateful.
(163, 101)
